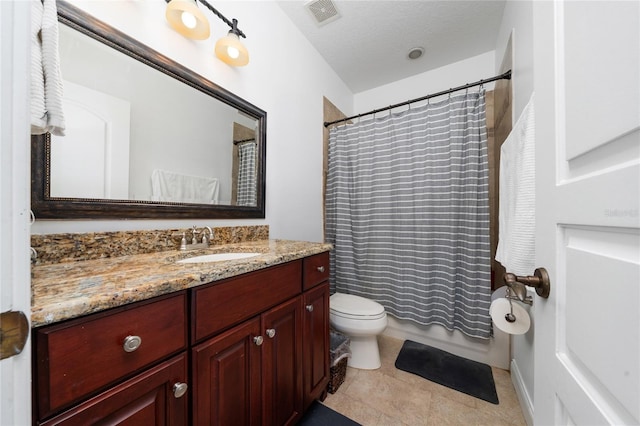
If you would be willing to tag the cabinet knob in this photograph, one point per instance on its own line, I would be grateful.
(131, 343)
(320, 268)
(271, 333)
(179, 389)
(309, 308)
(258, 340)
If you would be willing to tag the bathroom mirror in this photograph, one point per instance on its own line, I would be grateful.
(146, 137)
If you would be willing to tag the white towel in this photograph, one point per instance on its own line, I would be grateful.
(176, 187)
(517, 214)
(46, 79)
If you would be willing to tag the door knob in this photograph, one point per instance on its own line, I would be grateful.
(271, 333)
(320, 269)
(309, 308)
(539, 280)
(258, 340)
(14, 331)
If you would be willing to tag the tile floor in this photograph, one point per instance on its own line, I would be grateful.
(392, 397)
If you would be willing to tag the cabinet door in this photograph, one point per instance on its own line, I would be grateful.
(282, 363)
(316, 342)
(226, 377)
(147, 399)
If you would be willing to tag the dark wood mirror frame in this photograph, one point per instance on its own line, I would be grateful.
(46, 207)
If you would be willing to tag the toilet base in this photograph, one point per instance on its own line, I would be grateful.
(365, 354)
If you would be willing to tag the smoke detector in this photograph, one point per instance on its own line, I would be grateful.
(324, 11)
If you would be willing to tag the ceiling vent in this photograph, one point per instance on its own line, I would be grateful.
(324, 11)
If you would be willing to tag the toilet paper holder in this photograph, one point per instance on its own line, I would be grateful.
(539, 280)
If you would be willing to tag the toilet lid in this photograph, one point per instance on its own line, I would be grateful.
(352, 305)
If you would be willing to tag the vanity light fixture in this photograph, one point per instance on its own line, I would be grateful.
(230, 50)
(185, 17)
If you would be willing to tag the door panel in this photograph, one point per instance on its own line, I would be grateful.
(146, 399)
(587, 348)
(15, 284)
(316, 342)
(282, 363)
(226, 379)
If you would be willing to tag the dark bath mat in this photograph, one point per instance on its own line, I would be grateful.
(321, 415)
(444, 368)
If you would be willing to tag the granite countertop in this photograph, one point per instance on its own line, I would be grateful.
(67, 290)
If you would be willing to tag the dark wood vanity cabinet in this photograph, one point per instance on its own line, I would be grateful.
(124, 365)
(258, 354)
(268, 368)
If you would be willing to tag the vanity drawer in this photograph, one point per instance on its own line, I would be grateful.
(81, 356)
(316, 270)
(225, 303)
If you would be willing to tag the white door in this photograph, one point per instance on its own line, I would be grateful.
(587, 89)
(15, 286)
(95, 146)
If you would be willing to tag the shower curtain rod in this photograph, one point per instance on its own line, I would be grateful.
(505, 76)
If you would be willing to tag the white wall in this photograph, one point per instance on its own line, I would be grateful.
(456, 74)
(518, 20)
(285, 77)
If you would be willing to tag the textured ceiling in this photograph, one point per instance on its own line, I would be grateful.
(368, 45)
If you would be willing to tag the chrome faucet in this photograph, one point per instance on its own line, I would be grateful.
(204, 243)
(204, 237)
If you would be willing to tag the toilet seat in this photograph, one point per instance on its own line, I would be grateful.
(355, 307)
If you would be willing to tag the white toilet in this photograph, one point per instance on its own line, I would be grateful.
(361, 320)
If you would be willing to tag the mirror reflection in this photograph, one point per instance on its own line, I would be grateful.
(135, 133)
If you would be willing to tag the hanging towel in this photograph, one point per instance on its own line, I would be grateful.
(517, 215)
(179, 188)
(46, 79)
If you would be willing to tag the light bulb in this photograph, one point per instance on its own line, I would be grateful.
(189, 20)
(233, 52)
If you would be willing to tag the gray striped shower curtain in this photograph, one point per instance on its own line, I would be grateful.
(247, 179)
(407, 211)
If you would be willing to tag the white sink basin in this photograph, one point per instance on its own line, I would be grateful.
(217, 257)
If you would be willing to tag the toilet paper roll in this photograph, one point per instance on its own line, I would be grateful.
(501, 307)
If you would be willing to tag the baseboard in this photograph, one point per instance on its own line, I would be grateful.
(525, 400)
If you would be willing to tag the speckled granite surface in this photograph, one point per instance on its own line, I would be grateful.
(57, 248)
(71, 289)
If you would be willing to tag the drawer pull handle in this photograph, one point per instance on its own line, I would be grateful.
(309, 308)
(258, 340)
(131, 343)
(320, 269)
(179, 389)
(271, 332)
